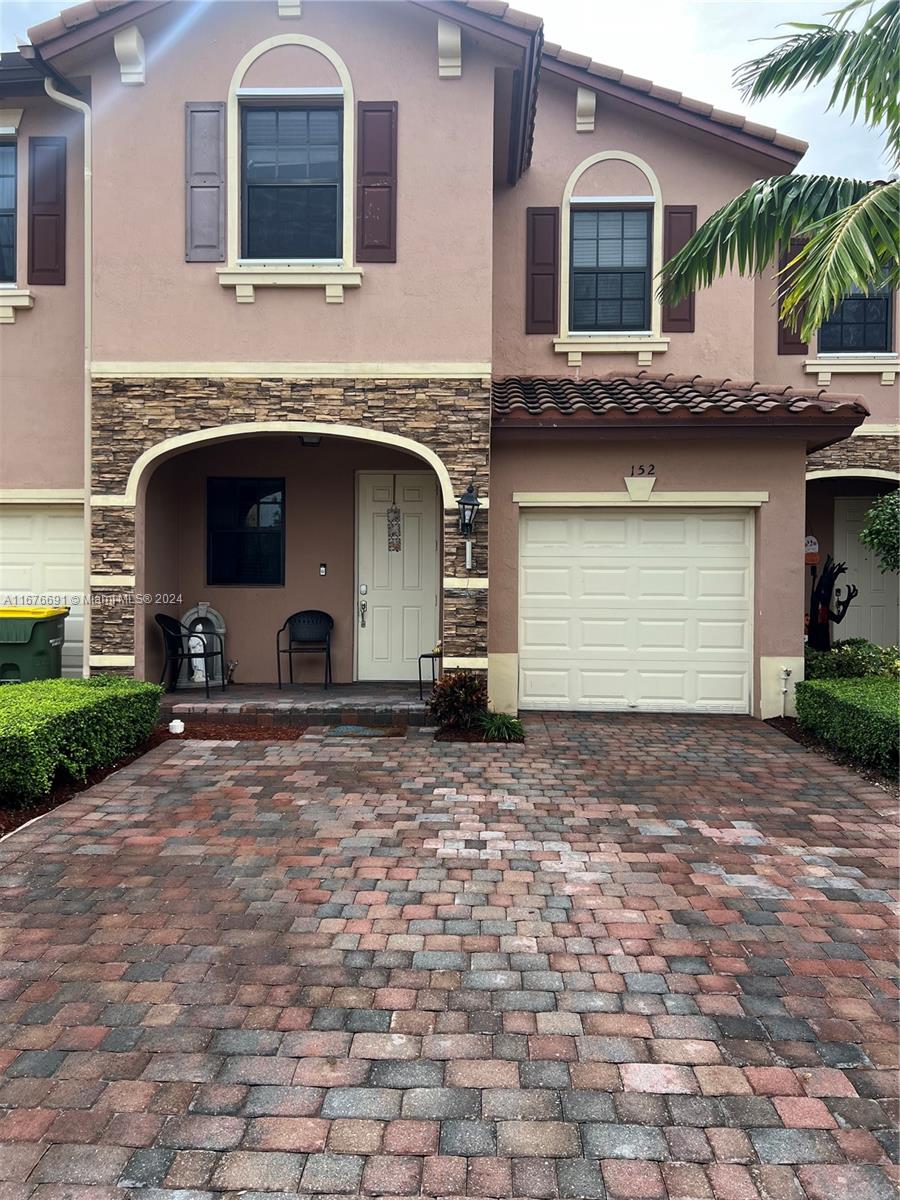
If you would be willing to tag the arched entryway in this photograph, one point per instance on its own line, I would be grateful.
(837, 501)
(263, 522)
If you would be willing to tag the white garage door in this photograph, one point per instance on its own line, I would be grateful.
(648, 611)
(42, 555)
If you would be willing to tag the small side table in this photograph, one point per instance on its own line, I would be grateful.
(434, 656)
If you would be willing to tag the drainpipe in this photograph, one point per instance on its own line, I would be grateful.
(785, 676)
(50, 87)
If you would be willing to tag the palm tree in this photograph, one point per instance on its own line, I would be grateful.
(849, 227)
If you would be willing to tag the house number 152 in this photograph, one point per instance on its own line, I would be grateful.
(643, 469)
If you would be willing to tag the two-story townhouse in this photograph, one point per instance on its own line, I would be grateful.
(288, 277)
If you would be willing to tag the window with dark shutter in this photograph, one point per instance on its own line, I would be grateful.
(861, 324)
(542, 271)
(205, 181)
(376, 182)
(291, 183)
(245, 532)
(47, 210)
(789, 340)
(611, 270)
(679, 226)
(7, 212)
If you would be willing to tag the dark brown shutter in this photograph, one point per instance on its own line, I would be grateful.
(204, 181)
(542, 270)
(47, 210)
(789, 341)
(376, 181)
(679, 226)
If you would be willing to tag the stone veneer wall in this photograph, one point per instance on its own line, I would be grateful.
(874, 453)
(452, 417)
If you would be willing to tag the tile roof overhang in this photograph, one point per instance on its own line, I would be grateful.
(673, 404)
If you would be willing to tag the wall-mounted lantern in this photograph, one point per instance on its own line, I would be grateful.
(469, 505)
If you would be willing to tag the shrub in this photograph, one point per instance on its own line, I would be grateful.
(71, 726)
(857, 716)
(459, 699)
(501, 727)
(852, 659)
(881, 531)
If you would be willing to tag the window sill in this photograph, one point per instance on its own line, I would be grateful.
(12, 298)
(644, 345)
(826, 365)
(246, 277)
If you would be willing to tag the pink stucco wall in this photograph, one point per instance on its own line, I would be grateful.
(41, 353)
(565, 461)
(320, 526)
(433, 304)
(882, 400)
(692, 168)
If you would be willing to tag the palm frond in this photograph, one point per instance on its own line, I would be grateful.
(745, 234)
(856, 247)
(864, 62)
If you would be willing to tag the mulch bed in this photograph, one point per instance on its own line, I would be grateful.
(452, 734)
(14, 815)
(790, 726)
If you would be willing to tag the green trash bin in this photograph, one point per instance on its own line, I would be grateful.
(31, 642)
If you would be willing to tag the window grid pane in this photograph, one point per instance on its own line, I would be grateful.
(861, 324)
(245, 532)
(291, 182)
(610, 284)
(7, 212)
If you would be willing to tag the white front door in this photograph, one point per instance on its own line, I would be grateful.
(645, 610)
(397, 590)
(874, 613)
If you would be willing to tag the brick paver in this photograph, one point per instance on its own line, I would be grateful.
(636, 957)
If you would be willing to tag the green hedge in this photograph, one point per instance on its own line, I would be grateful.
(71, 726)
(852, 659)
(857, 716)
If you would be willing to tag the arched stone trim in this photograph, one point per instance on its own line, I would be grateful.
(566, 227)
(348, 196)
(221, 433)
(853, 472)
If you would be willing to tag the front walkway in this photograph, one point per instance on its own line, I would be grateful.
(649, 955)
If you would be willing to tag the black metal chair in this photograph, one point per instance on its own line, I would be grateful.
(175, 638)
(309, 632)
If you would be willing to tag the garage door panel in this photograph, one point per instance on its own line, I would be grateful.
(661, 581)
(548, 582)
(540, 634)
(731, 583)
(663, 635)
(607, 635)
(660, 531)
(722, 635)
(602, 583)
(654, 615)
(721, 531)
(42, 555)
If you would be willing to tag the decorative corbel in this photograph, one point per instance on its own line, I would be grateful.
(449, 49)
(585, 110)
(129, 47)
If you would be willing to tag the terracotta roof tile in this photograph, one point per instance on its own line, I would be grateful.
(646, 395)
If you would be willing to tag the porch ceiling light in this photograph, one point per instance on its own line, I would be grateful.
(469, 505)
(310, 439)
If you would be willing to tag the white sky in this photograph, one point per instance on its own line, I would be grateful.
(691, 45)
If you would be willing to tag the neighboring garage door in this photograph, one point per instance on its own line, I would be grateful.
(42, 555)
(623, 610)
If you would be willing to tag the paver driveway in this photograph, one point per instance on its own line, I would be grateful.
(651, 955)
